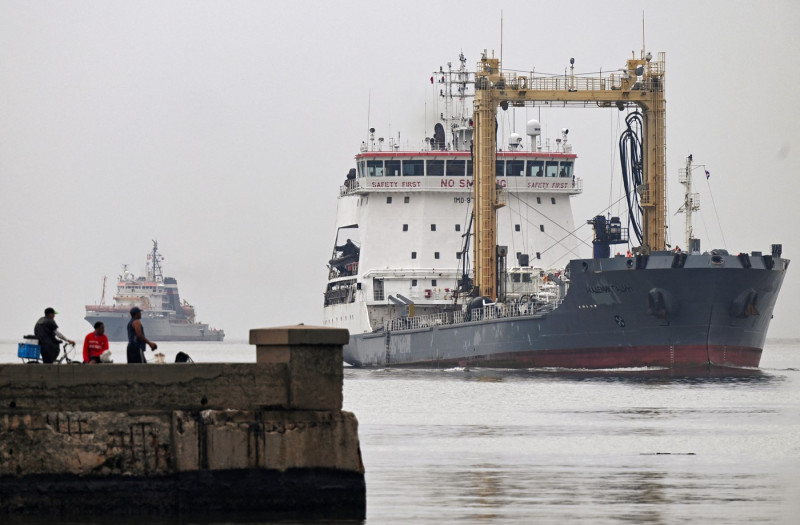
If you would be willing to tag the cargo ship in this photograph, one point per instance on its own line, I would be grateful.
(165, 317)
(458, 252)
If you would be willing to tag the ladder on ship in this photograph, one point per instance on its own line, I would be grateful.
(388, 339)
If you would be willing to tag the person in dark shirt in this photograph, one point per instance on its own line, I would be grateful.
(348, 248)
(46, 331)
(136, 338)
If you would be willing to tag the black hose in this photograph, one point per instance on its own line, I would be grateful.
(631, 156)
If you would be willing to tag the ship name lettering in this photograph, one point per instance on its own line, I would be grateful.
(608, 288)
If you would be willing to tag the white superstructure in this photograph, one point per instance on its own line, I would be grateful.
(406, 214)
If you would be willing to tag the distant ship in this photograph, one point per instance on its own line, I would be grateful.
(164, 316)
(399, 278)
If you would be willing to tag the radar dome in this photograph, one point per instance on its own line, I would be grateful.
(534, 129)
(514, 139)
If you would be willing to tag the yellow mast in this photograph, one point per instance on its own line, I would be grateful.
(484, 187)
(640, 83)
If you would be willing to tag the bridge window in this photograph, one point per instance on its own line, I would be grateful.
(455, 168)
(361, 169)
(374, 168)
(535, 168)
(566, 169)
(392, 168)
(515, 168)
(413, 168)
(469, 168)
(435, 168)
(499, 169)
(551, 169)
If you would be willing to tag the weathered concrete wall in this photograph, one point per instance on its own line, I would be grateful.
(264, 436)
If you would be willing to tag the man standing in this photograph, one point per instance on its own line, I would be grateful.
(136, 338)
(95, 343)
(46, 331)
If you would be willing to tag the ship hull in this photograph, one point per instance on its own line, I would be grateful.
(712, 311)
(156, 329)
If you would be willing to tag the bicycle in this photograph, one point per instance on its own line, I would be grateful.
(32, 353)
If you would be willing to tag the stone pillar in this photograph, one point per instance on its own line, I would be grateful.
(313, 356)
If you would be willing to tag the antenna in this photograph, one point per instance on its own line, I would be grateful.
(644, 47)
(691, 203)
(369, 107)
(155, 274)
(501, 38)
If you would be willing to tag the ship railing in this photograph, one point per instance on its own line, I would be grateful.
(602, 82)
(104, 308)
(422, 321)
(545, 303)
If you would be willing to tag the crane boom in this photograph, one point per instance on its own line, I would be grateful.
(640, 83)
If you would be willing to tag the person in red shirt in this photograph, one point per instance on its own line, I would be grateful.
(95, 344)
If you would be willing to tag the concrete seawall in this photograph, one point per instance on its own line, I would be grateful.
(185, 438)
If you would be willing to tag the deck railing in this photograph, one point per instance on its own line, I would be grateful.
(490, 311)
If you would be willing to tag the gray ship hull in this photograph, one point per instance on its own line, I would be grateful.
(663, 310)
(157, 329)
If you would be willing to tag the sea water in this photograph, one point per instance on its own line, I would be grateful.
(499, 446)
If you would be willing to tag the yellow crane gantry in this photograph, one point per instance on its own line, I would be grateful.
(640, 83)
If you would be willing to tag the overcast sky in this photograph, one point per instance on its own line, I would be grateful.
(224, 129)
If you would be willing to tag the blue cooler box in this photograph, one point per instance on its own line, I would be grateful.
(29, 349)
